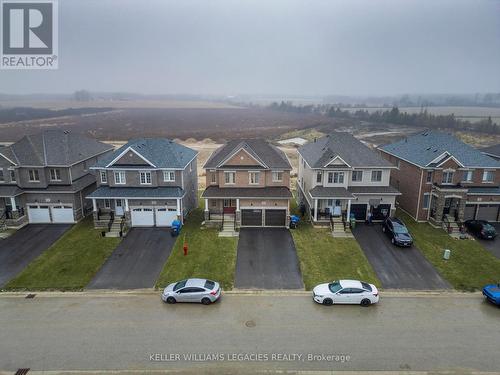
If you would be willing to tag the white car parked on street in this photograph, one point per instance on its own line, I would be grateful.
(192, 290)
(346, 292)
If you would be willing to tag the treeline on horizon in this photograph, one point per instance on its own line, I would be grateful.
(29, 113)
(393, 115)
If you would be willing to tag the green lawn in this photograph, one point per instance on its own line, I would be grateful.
(70, 263)
(209, 255)
(470, 266)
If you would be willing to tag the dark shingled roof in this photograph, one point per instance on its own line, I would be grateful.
(493, 150)
(76, 186)
(267, 192)
(131, 192)
(10, 191)
(162, 152)
(320, 152)
(263, 151)
(53, 148)
(422, 149)
(330, 192)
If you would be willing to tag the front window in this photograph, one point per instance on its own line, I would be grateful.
(334, 287)
(488, 176)
(254, 178)
(33, 175)
(120, 178)
(168, 176)
(330, 177)
(338, 177)
(319, 177)
(229, 177)
(2, 179)
(447, 177)
(277, 176)
(213, 177)
(357, 176)
(104, 177)
(425, 204)
(145, 178)
(107, 203)
(55, 175)
(12, 175)
(376, 176)
(429, 177)
(467, 176)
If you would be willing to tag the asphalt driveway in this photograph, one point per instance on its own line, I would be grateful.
(267, 259)
(493, 246)
(137, 261)
(397, 268)
(26, 244)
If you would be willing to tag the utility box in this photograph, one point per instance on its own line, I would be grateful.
(446, 254)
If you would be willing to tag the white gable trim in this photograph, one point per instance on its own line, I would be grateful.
(448, 158)
(261, 163)
(335, 158)
(124, 152)
(6, 158)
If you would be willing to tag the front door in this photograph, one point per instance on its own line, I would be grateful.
(119, 207)
(229, 206)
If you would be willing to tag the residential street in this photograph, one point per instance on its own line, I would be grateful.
(92, 331)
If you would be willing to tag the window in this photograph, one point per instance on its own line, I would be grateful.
(319, 177)
(330, 177)
(213, 177)
(488, 176)
(107, 203)
(254, 178)
(428, 179)
(357, 176)
(277, 176)
(33, 175)
(376, 176)
(145, 178)
(104, 177)
(55, 175)
(191, 167)
(447, 177)
(425, 203)
(120, 178)
(168, 176)
(398, 164)
(12, 175)
(467, 176)
(229, 177)
(338, 177)
(2, 178)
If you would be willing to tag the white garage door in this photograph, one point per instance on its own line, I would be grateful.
(142, 217)
(165, 216)
(38, 214)
(62, 214)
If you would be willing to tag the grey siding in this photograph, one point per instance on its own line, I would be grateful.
(190, 180)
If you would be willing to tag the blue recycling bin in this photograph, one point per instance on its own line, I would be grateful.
(294, 221)
(176, 228)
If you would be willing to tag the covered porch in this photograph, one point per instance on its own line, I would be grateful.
(330, 203)
(447, 208)
(12, 207)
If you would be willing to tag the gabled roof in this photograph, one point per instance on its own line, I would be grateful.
(159, 152)
(269, 156)
(354, 153)
(423, 149)
(492, 150)
(53, 148)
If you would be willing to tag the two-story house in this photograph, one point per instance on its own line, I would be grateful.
(339, 176)
(248, 183)
(147, 182)
(45, 177)
(444, 179)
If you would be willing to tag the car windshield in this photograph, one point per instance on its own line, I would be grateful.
(488, 227)
(400, 229)
(334, 287)
(366, 286)
(209, 284)
(180, 284)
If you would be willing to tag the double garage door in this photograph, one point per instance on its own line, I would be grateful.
(150, 217)
(263, 217)
(50, 214)
(487, 212)
(379, 212)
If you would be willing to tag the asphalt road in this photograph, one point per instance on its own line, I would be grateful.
(493, 246)
(103, 332)
(267, 259)
(396, 267)
(23, 246)
(137, 261)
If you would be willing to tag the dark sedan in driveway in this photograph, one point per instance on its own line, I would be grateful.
(481, 229)
(397, 232)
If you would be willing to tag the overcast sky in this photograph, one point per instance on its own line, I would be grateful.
(294, 47)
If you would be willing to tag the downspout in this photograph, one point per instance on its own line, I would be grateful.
(419, 193)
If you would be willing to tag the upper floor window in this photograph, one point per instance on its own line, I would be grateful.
(277, 176)
(229, 177)
(169, 176)
(2, 178)
(12, 175)
(254, 178)
(104, 177)
(467, 177)
(55, 175)
(376, 176)
(319, 177)
(357, 176)
(145, 178)
(447, 177)
(191, 167)
(33, 175)
(428, 178)
(488, 176)
(335, 177)
(120, 178)
(213, 177)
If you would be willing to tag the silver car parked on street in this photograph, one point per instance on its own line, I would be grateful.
(192, 290)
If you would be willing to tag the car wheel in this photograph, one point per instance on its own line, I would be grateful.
(383, 229)
(366, 302)
(206, 301)
(171, 300)
(392, 240)
(327, 302)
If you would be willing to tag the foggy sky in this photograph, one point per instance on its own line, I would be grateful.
(296, 47)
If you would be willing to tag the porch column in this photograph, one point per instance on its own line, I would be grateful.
(315, 210)
(348, 210)
(13, 203)
(206, 204)
(237, 204)
(94, 204)
(126, 205)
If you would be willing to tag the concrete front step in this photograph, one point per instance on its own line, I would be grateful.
(228, 234)
(112, 234)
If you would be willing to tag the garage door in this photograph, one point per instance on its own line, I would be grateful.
(275, 218)
(62, 214)
(142, 217)
(470, 212)
(359, 211)
(165, 216)
(381, 211)
(38, 214)
(251, 218)
(488, 212)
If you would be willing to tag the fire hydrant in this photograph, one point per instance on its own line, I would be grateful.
(185, 248)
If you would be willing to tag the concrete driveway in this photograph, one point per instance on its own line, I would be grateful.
(18, 250)
(267, 259)
(137, 262)
(493, 246)
(398, 268)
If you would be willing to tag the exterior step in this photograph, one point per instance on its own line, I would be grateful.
(228, 234)
(112, 234)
